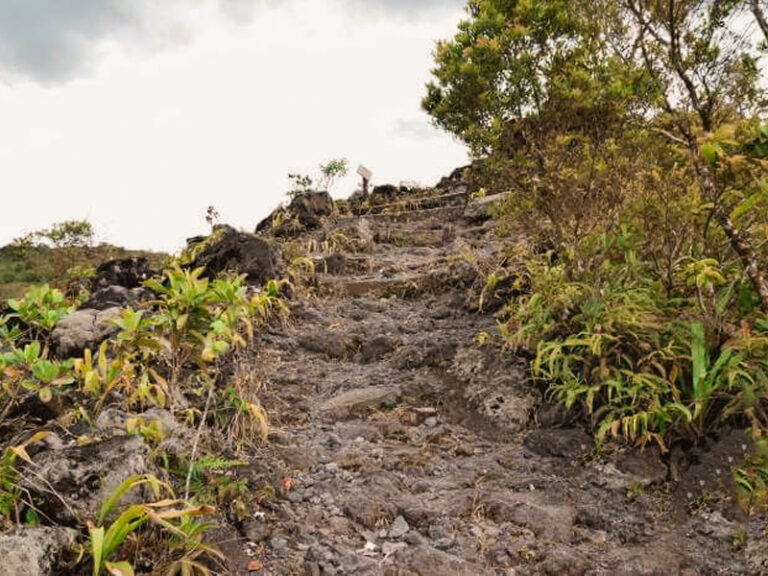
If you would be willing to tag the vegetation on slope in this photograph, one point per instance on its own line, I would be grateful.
(630, 139)
(176, 353)
(57, 255)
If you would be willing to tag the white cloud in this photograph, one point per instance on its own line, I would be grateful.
(145, 142)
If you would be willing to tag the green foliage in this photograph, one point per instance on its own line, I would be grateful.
(69, 233)
(27, 369)
(752, 479)
(176, 518)
(329, 173)
(31, 260)
(10, 494)
(40, 309)
(332, 171)
(631, 355)
(208, 481)
(633, 157)
(199, 319)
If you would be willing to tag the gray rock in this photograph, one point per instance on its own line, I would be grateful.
(376, 348)
(543, 518)
(565, 443)
(496, 387)
(482, 208)
(83, 329)
(389, 548)
(360, 399)
(116, 297)
(126, 272)
(353, 235)
(257, 531)
(35, 551)
(399, 528)
(177, 438)
(426, 560)
(84, 476)
(278, 543)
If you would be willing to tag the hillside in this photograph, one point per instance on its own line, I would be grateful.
(22, 268)
(376, 422)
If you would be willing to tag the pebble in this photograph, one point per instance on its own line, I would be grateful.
(278, 543)
(430, 422)
(389, 548)
(399, 528)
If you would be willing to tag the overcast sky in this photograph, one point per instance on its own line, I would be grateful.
(138, 114)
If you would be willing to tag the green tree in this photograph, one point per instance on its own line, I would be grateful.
(68, 239)
(704, 66)
(68, 234)
(560, 93)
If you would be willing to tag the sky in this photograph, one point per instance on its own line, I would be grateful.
(139, 114)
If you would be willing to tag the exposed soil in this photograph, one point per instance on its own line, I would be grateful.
(404, 444)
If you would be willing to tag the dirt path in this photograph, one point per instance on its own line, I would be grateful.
(401, 445)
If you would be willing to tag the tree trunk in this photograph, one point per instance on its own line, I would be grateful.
(739, 243)
(757, 10)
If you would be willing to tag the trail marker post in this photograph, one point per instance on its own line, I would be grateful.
(366, 175)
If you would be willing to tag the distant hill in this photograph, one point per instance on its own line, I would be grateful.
(22, 267)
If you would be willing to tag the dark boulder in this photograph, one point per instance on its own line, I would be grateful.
(125, 272)
(385, 194)
(241, 253)
(117, 296)
(454, 180)
(306, 211)
(311, 208)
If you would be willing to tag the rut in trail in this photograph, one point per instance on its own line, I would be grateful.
(402, 443)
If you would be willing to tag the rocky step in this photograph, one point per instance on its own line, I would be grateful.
(473, 209)
(342, 264)
(429, 233)
(450, 212)
(402, 285)
(457, 198)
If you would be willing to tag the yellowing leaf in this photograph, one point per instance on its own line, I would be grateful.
(119, 568)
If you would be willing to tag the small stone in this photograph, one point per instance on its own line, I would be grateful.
(278, 543)
(389, 548)
(399, 528)
(257, 531)
(415, 539)
(430, 422)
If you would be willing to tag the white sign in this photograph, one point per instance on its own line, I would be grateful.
(364, 172)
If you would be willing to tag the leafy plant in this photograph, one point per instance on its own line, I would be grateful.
(198, 319)
(174, 517)
(40, 310)
(10, 493)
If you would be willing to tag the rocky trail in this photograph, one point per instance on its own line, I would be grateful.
(403, 444)
(404, 438)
